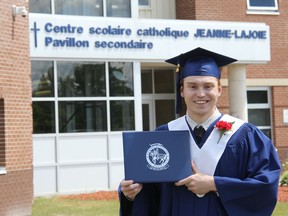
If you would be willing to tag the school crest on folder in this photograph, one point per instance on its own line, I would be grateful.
(157, 157)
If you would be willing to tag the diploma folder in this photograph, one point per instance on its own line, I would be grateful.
(156, 156)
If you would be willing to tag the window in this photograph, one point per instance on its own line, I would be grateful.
(263, 5)
(118, 8)
(162, 113)
(43, 117)
(2, 138)
(158, 97)
(121, 79)
(82, 116)
(43, 87)
(81, 79)
(158, 81)
(146, 77)
(79, 7)
(40, 6)
(144, 3)
(165, 81)
(122, 115)
(109, 8)
(259, 109)
(87, 92)
(42, 79)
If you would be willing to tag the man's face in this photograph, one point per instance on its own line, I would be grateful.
(200, 94)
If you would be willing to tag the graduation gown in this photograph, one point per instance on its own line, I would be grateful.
(246, 177)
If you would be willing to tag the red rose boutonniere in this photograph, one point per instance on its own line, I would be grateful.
(223, 127)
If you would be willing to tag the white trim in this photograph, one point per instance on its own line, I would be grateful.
(3, 171)
(52, 5)
(261, 82)
(215, 150)
(275, 8)
(267, 105)
(275, 13)
(137, 95)
(134, 9)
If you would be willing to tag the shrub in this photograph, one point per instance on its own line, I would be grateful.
(284, 175)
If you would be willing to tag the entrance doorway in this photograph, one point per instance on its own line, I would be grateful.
(158, 97)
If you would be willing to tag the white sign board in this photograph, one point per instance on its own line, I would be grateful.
(58, 36)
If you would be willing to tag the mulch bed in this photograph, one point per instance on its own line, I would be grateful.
(100, 195)
(283, 194)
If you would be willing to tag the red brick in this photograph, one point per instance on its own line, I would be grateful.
(15, 113)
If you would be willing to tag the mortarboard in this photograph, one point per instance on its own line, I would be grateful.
(198, 62)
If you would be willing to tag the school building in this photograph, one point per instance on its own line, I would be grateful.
(75, 74)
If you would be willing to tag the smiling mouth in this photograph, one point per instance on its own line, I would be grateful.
(201, 102)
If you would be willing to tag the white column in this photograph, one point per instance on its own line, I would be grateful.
(134, 9)
(137, 95)
(237, 91)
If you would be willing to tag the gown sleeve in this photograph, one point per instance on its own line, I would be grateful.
(125, 204)
(146, 202)
(247, 175)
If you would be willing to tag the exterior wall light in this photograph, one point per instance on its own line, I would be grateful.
(19, 10)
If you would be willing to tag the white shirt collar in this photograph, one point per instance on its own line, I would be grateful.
(205, 124)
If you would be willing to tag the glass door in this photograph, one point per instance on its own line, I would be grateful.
(158, 97)
(147, 115)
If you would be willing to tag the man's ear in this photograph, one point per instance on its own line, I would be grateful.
(181, 91)
(219, 88)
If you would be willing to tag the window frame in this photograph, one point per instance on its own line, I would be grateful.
(259, 8)
(267, 105)
(104, 10)
(55, 99)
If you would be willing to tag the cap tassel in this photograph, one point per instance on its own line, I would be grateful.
(177, 68)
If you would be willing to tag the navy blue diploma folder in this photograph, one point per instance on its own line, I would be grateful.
(156, 156)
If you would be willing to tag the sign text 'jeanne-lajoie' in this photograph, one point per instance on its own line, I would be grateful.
(120, 37)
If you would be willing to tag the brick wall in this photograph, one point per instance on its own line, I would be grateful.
(185, 9)
(16, 185)
(277, 68)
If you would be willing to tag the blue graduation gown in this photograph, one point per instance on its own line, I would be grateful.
(246, 177)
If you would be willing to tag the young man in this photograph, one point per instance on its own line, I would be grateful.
(235, 166)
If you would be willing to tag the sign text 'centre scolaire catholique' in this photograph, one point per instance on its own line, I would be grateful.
(120, 37)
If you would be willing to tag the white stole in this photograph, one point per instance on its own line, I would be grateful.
(207, 157)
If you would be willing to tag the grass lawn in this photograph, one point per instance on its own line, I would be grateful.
(281, 209)
(57, 206)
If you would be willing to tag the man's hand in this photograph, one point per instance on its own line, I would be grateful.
(198, 183)
(130, 189)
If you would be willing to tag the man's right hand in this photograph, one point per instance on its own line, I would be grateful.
(130, 189)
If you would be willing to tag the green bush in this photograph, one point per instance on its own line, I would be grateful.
(284, 175)
(284, 179)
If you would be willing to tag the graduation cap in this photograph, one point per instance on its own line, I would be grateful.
(198, 62)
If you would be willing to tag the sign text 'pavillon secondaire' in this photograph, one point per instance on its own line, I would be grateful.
(120, 37)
